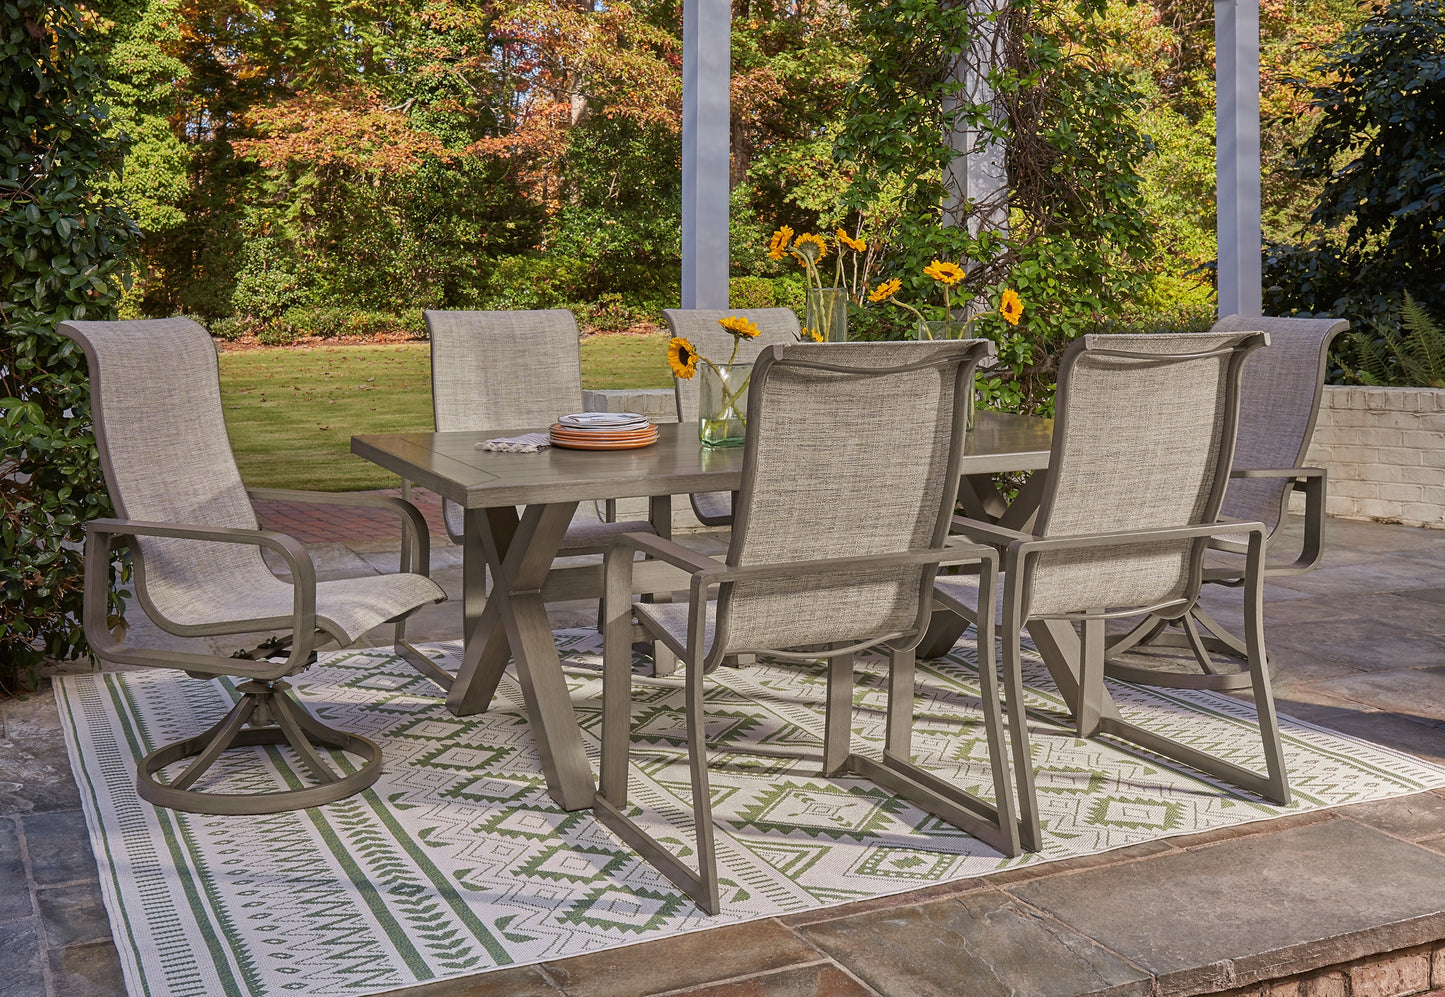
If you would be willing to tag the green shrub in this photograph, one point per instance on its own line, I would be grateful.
(229, 328)
(269, 282)
(522, 282)
(752, 292)
(61, 250)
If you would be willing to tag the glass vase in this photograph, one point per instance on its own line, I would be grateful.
(825, 311)
(722, 412)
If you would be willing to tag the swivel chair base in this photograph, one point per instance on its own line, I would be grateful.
(273, 718)
(1215, 640)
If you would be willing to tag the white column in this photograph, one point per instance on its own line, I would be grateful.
(706, 128)
(1236, 77)
(976, 174)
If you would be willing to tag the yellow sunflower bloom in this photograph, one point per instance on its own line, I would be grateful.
(857, 245)
(810, 247)
(947, 274)
(779, 244)
(810, 335)
(681, 357)
(1011, 307)
(738, 326)
(885, 290)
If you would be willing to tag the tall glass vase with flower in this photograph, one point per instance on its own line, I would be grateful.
(722, 415)
(1010, 308)
(825, 309)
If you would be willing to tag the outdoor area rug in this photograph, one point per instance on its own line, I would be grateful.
(457, 861)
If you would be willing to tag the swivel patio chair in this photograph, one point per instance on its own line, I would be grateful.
(803, 586)
(1143, 438)
(776, 327)
(196, 552)
(1279, 402)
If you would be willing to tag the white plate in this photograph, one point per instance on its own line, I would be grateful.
(604, 420)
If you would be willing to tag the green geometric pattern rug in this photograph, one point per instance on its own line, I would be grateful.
(457, 861)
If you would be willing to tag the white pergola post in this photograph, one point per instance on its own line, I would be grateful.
(1236, 79)
(977, 176)
(706, 80)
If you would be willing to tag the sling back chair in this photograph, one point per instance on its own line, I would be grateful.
(1279, 401)
(1143, 436)
(776, 327)
(493, 370)
(870, 435)
(196, 552)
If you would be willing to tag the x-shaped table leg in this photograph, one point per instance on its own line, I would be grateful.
(513, 623)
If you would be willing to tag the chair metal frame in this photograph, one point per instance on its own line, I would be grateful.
(994, 822)
(1197, 630)
(1094, 711)
(266, 714)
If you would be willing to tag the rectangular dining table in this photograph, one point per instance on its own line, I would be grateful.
(511, 622)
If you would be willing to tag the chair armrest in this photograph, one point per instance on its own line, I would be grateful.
(1137, 538)
(1277, 472)
(99, 536)
(662, 549)
(415, 536)
(982, 531)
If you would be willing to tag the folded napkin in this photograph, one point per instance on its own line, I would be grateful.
(526, 443)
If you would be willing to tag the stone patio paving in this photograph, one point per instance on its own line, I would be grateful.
(1341, 903)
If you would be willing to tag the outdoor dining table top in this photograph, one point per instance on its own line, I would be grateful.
(452, 465)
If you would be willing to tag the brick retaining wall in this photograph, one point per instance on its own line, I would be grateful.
(1384, 449)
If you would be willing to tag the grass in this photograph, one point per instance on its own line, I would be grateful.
(291, 413)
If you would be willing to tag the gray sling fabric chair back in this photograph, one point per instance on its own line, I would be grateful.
(196, 550)
(871, 434)
(776, 327)
(495, 370)
(1279, 402)
(1144, 434)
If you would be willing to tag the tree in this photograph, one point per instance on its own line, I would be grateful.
(1379, 148)
(62, 241)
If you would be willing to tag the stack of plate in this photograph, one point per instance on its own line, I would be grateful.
(603, 431)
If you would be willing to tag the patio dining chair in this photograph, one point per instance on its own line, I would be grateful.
(1279, 402)
(198, 571)
(518, 368)
(776, 327)
(521, 368)
(1109, 544)
(836, 542)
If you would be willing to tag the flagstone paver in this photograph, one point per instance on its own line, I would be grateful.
(1380, 586)
(1257, 907)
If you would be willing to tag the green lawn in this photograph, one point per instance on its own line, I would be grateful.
(291, 413)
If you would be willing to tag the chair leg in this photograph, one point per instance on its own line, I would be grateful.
(838, 716)
(265, 715)
(1030, 827)
(1091, 679)
(1277, 789)
(611, 798)
(898, 739)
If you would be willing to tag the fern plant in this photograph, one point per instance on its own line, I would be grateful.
(1414, 359)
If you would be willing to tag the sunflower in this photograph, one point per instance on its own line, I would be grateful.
(946, 274)
(808, 256)
(738, 326)
(885, 290)
(857, 245)
(682, 357)
(808, 335)
(779, 245)
(1011, 306)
